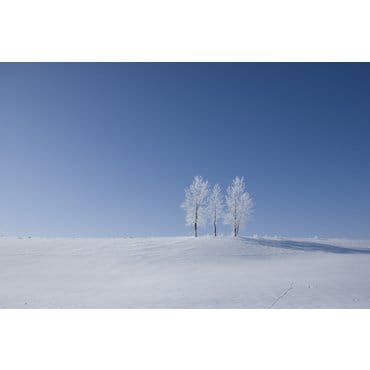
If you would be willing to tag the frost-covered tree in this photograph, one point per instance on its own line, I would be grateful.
(215, 207)
(195, 204)
(239, 205)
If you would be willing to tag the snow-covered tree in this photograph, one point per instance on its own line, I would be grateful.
(195, 204)
(215, 207)
(239, 205)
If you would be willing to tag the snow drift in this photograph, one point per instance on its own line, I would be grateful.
(184, 272)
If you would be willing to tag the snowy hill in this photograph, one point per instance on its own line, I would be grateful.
(184, 272)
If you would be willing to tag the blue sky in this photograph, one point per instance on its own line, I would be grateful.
(107, 149)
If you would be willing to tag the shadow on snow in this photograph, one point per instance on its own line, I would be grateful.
(306, 246)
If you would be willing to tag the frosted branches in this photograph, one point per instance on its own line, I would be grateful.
(202, 206)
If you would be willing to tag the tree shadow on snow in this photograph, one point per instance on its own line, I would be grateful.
(307, 246)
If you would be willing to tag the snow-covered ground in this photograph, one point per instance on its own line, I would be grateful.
(184, 272)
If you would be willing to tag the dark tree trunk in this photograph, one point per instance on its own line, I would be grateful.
(196, 222)
(235, 231)
(215, 228)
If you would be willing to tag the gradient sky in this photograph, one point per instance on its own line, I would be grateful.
(107, 149)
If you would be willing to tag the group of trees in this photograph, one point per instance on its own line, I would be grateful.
(204, 206)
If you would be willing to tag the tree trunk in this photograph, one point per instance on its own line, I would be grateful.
(214, 227)
(196, 222)
(235, 232)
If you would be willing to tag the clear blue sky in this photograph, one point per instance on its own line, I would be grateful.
(107, 149)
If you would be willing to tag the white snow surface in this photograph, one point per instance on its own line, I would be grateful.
(184, 272)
